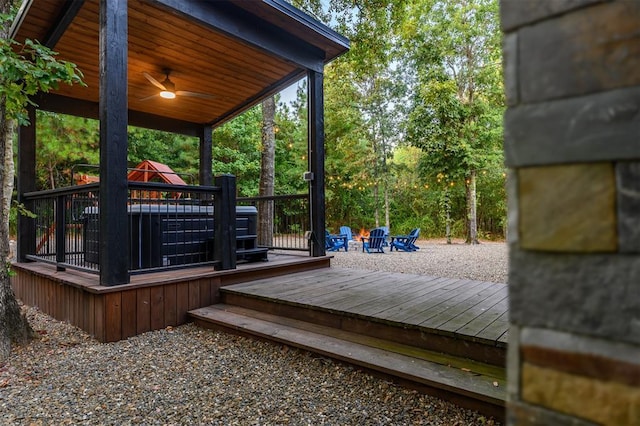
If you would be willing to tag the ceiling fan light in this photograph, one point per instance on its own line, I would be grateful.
(167, 94)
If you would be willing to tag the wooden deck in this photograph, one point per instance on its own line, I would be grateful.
(150, 302)
(461, 317)
(446, 337)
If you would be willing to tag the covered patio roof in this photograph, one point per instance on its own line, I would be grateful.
(231, 54)
(238, 51)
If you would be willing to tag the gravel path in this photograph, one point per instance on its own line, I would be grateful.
(187, 375)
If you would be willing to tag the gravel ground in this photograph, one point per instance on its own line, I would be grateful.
(187, 375)
(484, 262)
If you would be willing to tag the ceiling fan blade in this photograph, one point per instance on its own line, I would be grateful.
(195, 94)
(154, 81)
(149, 97)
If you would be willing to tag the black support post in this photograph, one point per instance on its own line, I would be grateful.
(114, 256)
(224, 218)
(206, 156)
(26, 183)
(316, 162)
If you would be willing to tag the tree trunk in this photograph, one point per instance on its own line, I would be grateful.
(52, 180)
(14, 327)
(447, 209)
(472, 236)
(267, 173)
(387, 216)
(376, 198)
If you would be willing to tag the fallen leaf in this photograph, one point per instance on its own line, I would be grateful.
(495, 384)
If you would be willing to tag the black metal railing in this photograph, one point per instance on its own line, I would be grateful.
(169, 226)
(58, 225)
(287, 225)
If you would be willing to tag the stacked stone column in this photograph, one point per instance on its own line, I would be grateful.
(572, 145)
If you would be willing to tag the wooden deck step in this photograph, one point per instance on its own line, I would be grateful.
(303, 296)
(471, 384)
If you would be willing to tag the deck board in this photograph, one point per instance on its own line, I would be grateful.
(321, 287)
(461, 303)
(348, 294)
(417, 305)
(304, 284)
(495, 330)
(382, 301)
(331, 291)
(471, 309)
(402, 297)
(483, 319)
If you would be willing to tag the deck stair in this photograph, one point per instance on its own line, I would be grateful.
(469, 383)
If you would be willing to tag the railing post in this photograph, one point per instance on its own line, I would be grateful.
(224, 218)
(60, 221)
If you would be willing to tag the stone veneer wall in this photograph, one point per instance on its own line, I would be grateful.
(572, 144)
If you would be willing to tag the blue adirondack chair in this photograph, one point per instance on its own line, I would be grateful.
(345, 231)
(375, 241)
(386, 236)
(406, 242)
(335, 242)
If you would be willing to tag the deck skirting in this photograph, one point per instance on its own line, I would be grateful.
(149, 302)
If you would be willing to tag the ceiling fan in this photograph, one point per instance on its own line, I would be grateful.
(168, 88)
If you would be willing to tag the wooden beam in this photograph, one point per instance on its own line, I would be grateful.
(26, 183)
(114, 261)
(241, 25)
(63, 21)
(206, 156)
(316, 162)
(88, 109)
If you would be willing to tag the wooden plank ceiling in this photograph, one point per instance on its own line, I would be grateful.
(200, 58)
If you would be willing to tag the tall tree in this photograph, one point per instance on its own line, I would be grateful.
(26, 70)
(457, 106)
(267, 172)
(370, 25)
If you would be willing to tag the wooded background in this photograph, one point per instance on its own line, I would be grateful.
(413, 122)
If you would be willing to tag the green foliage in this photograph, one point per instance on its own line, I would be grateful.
(291, 148)
(64, 141)
(179, 152)
(492, 203)
(413, 107)
(236, 150)
(457, 106)
(28, 69)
